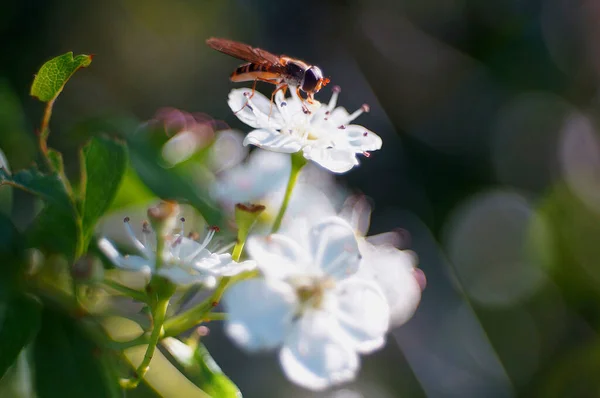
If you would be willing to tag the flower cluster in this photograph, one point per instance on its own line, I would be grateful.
(183, 260)
(314, 287)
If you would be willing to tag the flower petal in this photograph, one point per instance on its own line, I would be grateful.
(361, 139)
(337, 160)
(363, 313)
(316, 355)
(259, 312)
(334, 248)
(256, 112)
(223, 265)
(393, 270)
(277, 256)
(183, 277)
(273, 140)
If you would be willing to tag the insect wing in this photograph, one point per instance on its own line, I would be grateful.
(243, 51)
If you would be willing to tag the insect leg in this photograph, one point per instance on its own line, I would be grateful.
(249, 97)
(282, 87)
(304, 107)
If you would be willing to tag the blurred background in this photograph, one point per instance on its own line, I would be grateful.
(488, 111)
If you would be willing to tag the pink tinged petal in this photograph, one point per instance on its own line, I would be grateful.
(259, 312)
(337, 160)
(334, 248)
(277, 256)
(316, 355)
(273, 140)
(393, 270)
(361, 139)
(363, 313)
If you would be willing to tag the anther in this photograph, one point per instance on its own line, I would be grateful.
(182, 219)
(283, 103)
(367, 154)
(146, 227)
(342, 127)
(365, 134)
(126, 219)
(336, 89)
(366, 108)
(328, 112)
(214, 228)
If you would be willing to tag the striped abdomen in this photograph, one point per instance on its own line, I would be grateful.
(250, 71)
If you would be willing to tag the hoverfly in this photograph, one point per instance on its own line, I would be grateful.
(282, 71)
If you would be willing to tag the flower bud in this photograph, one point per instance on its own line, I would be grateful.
(88, 269)
(163, 217)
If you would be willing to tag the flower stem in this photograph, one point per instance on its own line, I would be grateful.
(160, 311)
(298, 162)
(195, 315)
(127, 291)
(237, 250)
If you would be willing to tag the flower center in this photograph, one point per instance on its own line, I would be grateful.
(311, 290)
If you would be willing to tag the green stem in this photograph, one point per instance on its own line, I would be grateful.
(190, 318)
(160, 312)
(238, 248)
(127, 291)
(44, 132)
(298, 162)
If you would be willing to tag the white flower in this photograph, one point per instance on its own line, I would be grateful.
(393, 269)
(262, 179)
(310, 303)
(322, 133)
(184, 261)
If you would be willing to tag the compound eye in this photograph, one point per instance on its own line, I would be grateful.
(312, 80)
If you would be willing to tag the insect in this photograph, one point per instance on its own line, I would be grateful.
(280, 70)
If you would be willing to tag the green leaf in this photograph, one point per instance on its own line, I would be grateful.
(198, 365)
(56, 229)
(132, 192)
(54, 74)
(183, 184)
(48, 187)
(105, 162)
(12, 259)
(67, 363)
(19, 322)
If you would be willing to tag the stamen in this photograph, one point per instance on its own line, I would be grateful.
(135, 241)
(145, 232)
(367, 154)
(357, 113)
(334, 97)
(182, 219)
(207, 239)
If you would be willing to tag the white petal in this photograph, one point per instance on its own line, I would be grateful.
(337, 160)
(357, 211)
(316, 355)
(363, 312)
(257, 114)
(180, 276)
(393, 270)
(361, 139)
(259, 312)
(222, 265)
(273, 140)
(277, 256)
(334, 248)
